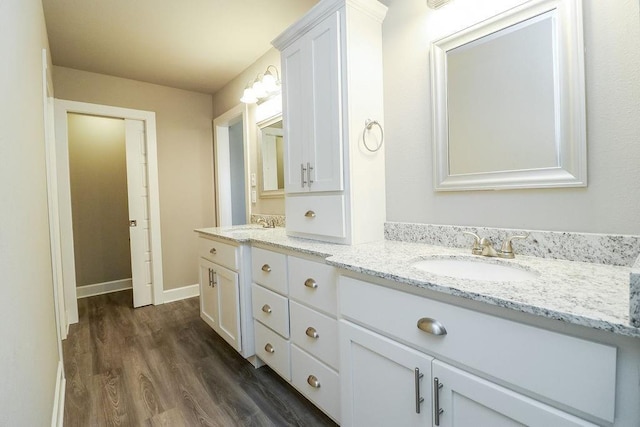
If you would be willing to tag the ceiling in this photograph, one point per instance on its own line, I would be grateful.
(197, 45)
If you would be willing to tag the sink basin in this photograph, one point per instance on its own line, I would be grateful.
(248, 227)
(474, 270)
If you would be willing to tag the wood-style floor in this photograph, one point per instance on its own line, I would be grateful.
(163, 366)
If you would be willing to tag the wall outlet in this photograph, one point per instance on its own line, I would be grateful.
(253, 196)
(253, 180)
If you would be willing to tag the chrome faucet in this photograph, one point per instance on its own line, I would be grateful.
(484, 246)
(264, 223)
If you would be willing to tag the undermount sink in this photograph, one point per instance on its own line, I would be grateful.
(248, 227)
(474, 270)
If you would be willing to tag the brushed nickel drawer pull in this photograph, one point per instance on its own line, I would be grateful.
(312, 333)
(269, 348)
(266, 268)
(310, 214)
(431, 326)
(212, 251)
(313, 381)
(310, 283)
(437, 385)
(416, 378)
(210, 277)
(266, 308)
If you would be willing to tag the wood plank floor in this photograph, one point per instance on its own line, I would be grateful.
(163, 366)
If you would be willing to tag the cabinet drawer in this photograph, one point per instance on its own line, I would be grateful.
(271, 309)
(273, 350)
(305, 371)
(220, 253)
(321, 215)
(269, 269)
(575, 372)
(314, 284)
(315, 333)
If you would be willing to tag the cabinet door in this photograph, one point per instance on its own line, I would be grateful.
(383, 383)
(226, 282)
(209, 308)
(469, 401)
(325, 154)
(295, 94)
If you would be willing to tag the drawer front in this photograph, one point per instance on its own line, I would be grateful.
(314, 284)
(321, 215)
(305, 371)
(273, 350)
(575, 372)
(269, 269)
(315, 333)
(221, 253)
(270, 309)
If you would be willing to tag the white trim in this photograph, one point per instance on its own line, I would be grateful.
(221, 126)
(57, 415)
(177, 294)
(103, 288)
(62, 108)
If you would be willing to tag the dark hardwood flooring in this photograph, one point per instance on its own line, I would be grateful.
(163, 366)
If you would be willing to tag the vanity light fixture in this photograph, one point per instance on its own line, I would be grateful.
(263, 86)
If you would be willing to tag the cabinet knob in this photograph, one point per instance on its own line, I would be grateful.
(313, 381)
(269, 348)
(431, 326)
(266, 268)
(310, 283)
(312, 333)
(212, 251)
(266, 308)
(310, 214)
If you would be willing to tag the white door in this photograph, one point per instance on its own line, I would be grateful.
(229, 302)
(209, 307)
(469, 401)
(383, 383)
(139, 236)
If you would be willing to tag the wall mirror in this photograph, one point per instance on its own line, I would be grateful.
(509, 101)
(270, 158)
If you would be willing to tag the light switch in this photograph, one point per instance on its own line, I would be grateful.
(253, 196)
(253, 180)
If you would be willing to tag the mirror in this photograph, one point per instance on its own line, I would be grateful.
(509, 101)
(270, 158)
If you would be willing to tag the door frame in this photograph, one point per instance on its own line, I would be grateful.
(222, 164)
(62, 108)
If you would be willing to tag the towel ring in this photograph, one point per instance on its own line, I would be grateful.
(368, 124)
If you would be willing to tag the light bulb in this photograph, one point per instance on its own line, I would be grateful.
(249, 97)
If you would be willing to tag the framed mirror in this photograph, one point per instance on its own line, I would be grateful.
(509, 101)
(270, 158)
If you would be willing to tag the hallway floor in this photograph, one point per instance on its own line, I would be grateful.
(163, 366)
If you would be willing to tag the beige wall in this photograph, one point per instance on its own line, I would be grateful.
(183, 123)
(227, 98)
(611, 202)
(29, 351)
(98, 177)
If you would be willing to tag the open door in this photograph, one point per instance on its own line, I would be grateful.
(139, 236)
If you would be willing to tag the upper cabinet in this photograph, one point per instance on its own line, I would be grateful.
(332, 84)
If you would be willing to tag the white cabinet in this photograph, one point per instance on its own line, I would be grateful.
(332, 83)
(521, 374)
(313, 152)
(294, 309)
(225, 294)
(385, 383)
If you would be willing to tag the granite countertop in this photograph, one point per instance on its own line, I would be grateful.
(581, 293)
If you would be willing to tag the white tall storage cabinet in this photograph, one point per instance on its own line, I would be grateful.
(332, 84)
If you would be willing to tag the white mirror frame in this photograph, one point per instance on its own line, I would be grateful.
(570, 117)
(266, 193)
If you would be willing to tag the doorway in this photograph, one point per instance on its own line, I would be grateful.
(232, 170)
(142, 197)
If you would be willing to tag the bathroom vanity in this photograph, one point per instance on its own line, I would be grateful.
(555, 349)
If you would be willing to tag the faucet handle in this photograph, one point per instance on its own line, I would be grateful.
(476, 249)
(506, 251)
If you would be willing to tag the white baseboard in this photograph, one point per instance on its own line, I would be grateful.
(184, 292)
(103, 288)
(57, 417)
